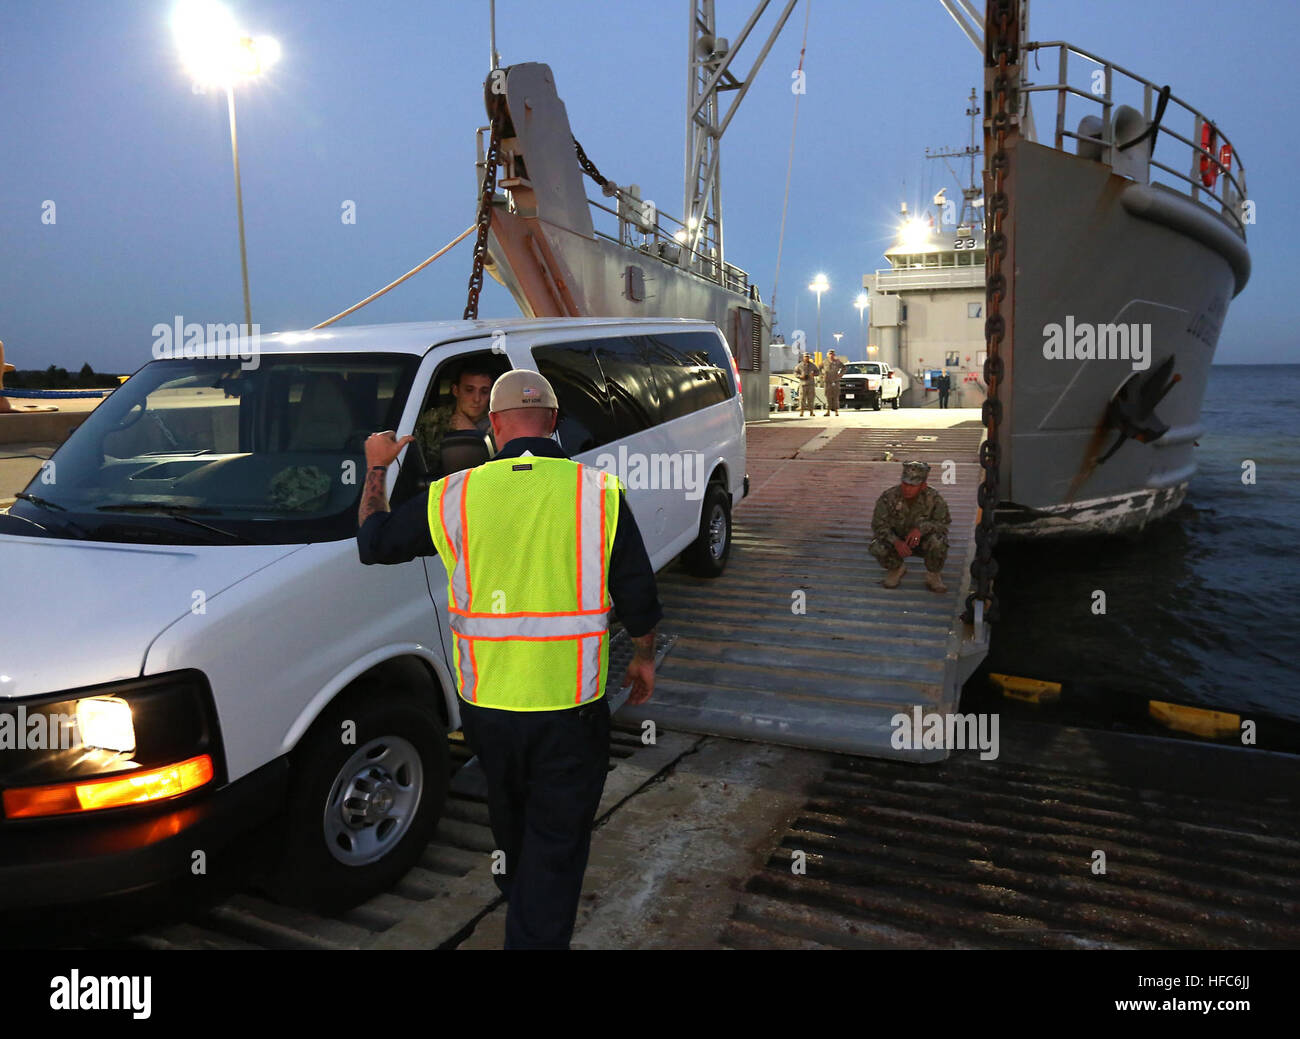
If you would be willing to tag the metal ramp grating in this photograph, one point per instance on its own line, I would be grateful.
(747, 665)
(1003, 854)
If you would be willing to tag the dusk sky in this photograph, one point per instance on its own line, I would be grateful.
(378, 102)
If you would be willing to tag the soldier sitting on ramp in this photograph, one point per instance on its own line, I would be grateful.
(909, 519)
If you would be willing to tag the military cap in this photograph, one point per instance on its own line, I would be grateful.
(915, 472)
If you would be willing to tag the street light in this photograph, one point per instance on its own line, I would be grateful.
(819, 285)
(216, 53)
(861, 303)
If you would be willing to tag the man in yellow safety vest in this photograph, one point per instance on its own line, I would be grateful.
(538, 549)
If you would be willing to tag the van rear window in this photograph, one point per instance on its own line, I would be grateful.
(617, 386)
(691, 370)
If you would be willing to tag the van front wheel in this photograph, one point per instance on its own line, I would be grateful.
(369, 785)
(706, 556)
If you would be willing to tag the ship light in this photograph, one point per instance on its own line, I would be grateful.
(913, 234)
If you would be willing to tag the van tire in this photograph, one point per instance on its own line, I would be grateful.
(875, 401)
(393, 729)
(705, 556)
(896, 400)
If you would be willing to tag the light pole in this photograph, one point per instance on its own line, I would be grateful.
(819, 285)
(861, 303)
(218, 54)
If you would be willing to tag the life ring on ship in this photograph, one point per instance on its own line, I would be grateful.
(1225, 157)
(1209, 171)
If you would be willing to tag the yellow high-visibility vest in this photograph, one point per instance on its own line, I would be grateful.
(526, 543)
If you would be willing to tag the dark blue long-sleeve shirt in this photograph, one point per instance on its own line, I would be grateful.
(401, 535)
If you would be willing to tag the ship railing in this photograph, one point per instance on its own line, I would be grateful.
(643, 227)
(1104, 91)
(894, 279)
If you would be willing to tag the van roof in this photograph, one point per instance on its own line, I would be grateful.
(418, 337)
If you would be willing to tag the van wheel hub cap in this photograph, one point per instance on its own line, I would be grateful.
(373, 800)
(717, 532)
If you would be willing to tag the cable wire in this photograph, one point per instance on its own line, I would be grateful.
(393, 284)
(794, 126)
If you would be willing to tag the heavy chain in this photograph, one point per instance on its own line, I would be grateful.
(1004, 44)
(484, 220)
(588, 167)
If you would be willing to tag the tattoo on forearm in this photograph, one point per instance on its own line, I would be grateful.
(645, 646)
(373, 498)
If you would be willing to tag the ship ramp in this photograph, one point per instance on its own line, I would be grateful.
(798, 643)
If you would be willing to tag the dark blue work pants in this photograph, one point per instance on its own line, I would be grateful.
(545, 774)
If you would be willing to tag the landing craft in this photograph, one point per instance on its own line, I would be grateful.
(1131, 184)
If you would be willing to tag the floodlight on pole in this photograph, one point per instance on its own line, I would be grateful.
(216, 53)
(819, 285)
(862, 302)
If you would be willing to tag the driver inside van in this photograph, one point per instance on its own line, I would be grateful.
(471, 389)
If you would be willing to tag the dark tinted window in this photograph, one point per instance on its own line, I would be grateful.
(691, 370)
(585, 419)
(633, 397)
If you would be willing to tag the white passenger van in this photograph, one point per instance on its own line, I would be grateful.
(196, 649)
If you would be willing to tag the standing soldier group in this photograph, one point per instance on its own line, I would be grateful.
(807, 371)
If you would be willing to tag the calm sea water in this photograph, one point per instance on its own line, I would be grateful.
(1202, 608)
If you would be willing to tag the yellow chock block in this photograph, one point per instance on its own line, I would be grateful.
(1030, 690)
(1195, 720)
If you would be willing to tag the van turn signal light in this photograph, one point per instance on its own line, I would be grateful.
(156, 784)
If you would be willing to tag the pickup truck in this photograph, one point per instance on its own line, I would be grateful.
(870, 382)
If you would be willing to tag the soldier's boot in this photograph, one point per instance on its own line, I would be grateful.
(895, 576)
(934, 582)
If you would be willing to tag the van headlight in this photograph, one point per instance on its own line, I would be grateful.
(105, 723)
(109, 746)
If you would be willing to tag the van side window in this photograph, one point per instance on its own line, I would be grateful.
(691, 370)
(633, 396)
(585, 420)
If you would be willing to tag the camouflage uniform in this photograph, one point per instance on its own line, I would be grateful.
(896, 517)
(433, 425)
(299, 488)
(833, 369)
(806, 372)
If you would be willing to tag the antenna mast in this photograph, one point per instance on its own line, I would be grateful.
(970, 193)
(709, 72)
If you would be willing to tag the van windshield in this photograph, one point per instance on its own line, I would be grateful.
(862, 368)
(201, 451)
